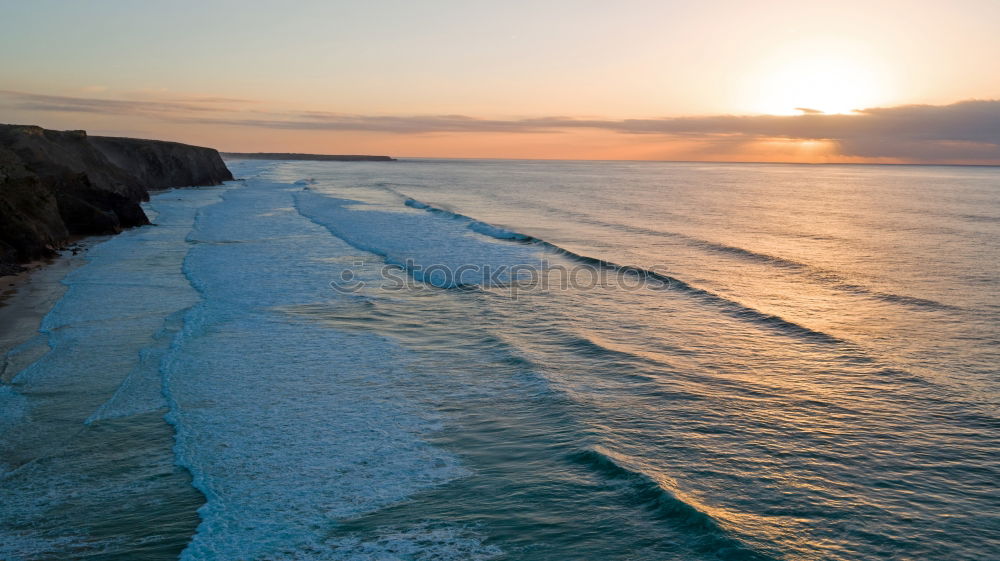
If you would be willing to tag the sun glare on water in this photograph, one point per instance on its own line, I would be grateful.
(828, 82)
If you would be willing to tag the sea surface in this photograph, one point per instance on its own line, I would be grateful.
(443, 360)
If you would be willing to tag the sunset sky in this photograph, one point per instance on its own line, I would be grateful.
(878, 81)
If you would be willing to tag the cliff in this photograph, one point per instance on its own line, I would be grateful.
(309, 157)
(159, 164)
(58, 184)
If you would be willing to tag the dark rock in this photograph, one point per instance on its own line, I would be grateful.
(58, 184)
(30, 223)
(159, 164)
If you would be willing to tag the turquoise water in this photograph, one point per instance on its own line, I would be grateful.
(432, 360)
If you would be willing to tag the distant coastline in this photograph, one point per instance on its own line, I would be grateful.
(308, 157)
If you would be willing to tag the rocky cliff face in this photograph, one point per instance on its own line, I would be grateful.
(58, 184)
(159, 164)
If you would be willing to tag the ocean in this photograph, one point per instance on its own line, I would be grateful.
(521, 360)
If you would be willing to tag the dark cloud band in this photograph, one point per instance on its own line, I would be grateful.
(966, 131)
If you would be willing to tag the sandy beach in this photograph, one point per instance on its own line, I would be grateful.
(26, 297)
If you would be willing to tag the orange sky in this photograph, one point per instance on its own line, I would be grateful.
(558, 79)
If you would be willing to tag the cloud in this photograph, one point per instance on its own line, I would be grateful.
(967, 131)
(153, 107)
(964, 131)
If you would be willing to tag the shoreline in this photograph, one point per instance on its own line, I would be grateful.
(56, 186)
(26, 297)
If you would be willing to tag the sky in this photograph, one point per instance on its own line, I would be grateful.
(879, 81)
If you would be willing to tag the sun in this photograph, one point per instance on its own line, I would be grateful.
(828, 80)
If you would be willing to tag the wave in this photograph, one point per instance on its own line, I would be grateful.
(979, 217)
(285, 442)
(643, 492)
(822, 276)
(140, 391)
(97, 346)
(829, 278)
(431, 252)
(420, 541)
(730, 307)
(588, 346)
(484, 228)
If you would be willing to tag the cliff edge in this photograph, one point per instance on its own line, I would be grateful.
(159, 164)
(58, 184)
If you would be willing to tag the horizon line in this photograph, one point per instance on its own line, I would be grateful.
(784, 163)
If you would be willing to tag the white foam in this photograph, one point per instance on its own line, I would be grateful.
(417, 543)
(440, 249)
(95, 335)
(286, 425)
(141, 390)
(495, 231)
(22, 355)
